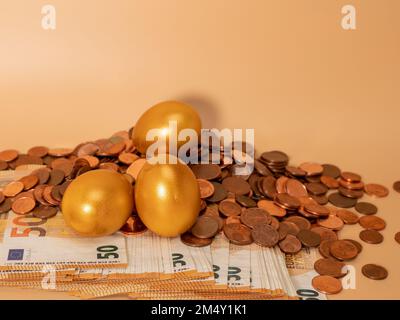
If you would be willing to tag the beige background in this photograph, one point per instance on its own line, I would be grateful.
(285, 68)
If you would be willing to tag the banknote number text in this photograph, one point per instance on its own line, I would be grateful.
(107, 252)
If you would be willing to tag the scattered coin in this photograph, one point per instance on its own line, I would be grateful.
(324, 248)
(343, 250)
(397, 237)
(396, 186)
(331, 222)
(238, 233)
(350, 176)
(136, 167)
(206, 171)
(236, 185)
(56, 177)
(300, 222)
(39, 151)
(205, 227)
(325, 233)
(346, 216)
(265, 235)
(331, 171)
(317, 210)
(252, 217)
(219, 193)
(287, 201)
(290, 244)
(376, 190)
(371, 236)
(229, 208)
(8, 155)
(133, 226)
(192, 241)
(312, 169)
(3, 165)
(206, 188)
(330, 182)
(271, 208)
(13, 188)
(374, 272)
(246, 201)
(316, 188)
(327, 284)
(309, 238)
(372, 222)
(29, 181)
(356, 243)
(2, 197)
(366, 208)
(350, 193)
(329, 267)
(5, 206)
(45, 212)
(340, 201)
(23, 205)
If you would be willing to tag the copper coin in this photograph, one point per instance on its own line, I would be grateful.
(271, 208)
(48, 197)
(39, 151)
(133, 226)
(366, 208)
(331, 222)
(317, 210)
(13, 188)
(192, 241)
(287, 227)
(127, 158)
(246, 201)
(219, 193)
(396, 186)
(372, 222)
(374, 272)
(238, 233)
(356, 243)
(261, 168)
(325, 233)
(327, 284)
(135, 168)
(236, 185)
(56, 177)
(56, 194)
(267, 186)
(329, 267)
(307, 200)
(251, 217)
(24, 159)
(347, 216)
(274, 223)
(287, 201)
(290, 244)
(265, 235)
(38, 194)
(295, 188)
(206, 171)
(45, 212)
(376, 190)
(24, 194)
(281, 184)
(206, 188)
(325, 247)
(109, 166)
(311, 168)
(43, 175)
(322, 199)
(232, 219)
(9, 155)
(343, 250)
(350, 176)
(63, 164)
(371, 236)
(397, 237)
(351, 185)
(205, 227)
(295, 171)
(330, 182)
(331, 171)
(60, 152)
(112, 148)
(2, 197)
(340, 201)
(316, 188)
(229, 208)
(3, 165)
(301, 222)
(275, 157)
(23, 205)
(94, 161)
(5, 206)
(29, 181)
(309, 238)
(89, 148)
(352, 194)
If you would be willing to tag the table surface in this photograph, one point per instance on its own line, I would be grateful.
(285, 68)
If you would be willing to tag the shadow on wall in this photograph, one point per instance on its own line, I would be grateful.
(207, 109)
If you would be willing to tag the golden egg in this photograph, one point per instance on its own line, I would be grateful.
(162, 116)
(167, 198)
(98, 203)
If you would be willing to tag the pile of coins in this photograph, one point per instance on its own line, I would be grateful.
(277, 204)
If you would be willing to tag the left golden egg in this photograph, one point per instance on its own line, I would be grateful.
(98, 203)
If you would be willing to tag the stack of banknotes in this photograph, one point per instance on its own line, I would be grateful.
(46, 254)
